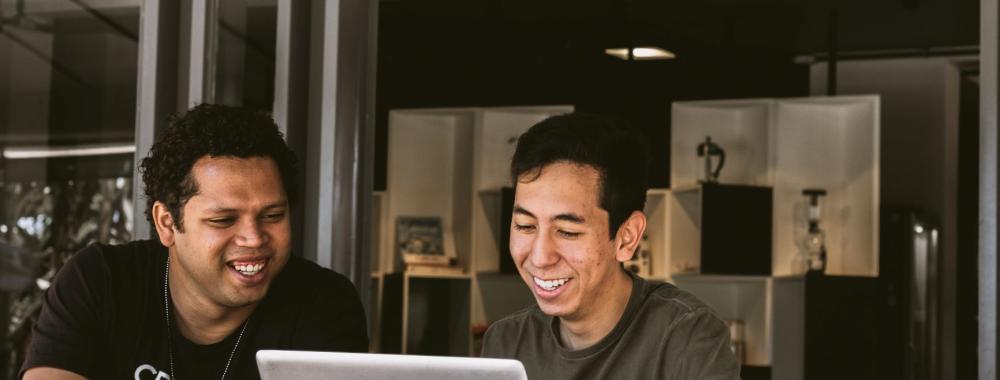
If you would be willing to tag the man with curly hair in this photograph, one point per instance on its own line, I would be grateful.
(217, 285)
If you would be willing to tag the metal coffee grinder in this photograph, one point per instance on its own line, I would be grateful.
(706, 151)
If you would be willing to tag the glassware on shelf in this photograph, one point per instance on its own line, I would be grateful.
(737, 339)
(640, 264)
(709, 170)
(812, 244)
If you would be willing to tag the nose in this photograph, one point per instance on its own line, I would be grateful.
(544, 252)
(251, 235)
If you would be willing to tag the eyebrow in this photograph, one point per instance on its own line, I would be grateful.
(223, 210)
(522, 211)
(568, 217)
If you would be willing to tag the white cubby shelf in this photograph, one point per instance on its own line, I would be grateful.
(452, 163)
(789, 145)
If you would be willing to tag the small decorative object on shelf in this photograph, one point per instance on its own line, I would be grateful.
(420, 245)
(434, 270)
(707, 150)
(812, 246)
(685, 267)
(640, 263)
(419, 235)
(426, 259)
(736, 339)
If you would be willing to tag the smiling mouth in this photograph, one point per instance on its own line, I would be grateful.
(550, 285)
(249, 267)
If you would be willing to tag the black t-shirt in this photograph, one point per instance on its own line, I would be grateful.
(104, 318)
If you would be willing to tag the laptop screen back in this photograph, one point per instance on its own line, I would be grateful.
(309, 365)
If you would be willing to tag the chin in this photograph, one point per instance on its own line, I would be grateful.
(238, 303)
(554, 309)
(243, 299)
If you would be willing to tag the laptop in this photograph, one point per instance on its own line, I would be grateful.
(310, 365)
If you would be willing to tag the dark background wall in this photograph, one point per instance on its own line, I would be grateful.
(456, 53)
(451, 53)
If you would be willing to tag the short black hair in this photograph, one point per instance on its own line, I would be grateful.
(210, 130)
(611, 146)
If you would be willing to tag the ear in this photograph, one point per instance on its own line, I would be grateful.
(629, 236)
(164, 223)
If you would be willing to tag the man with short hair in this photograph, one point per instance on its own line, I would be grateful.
(580, 188)
(217, 285)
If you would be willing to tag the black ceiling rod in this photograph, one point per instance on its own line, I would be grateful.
(252, 44)
(56, 66)
(111, 23)
(831, 63)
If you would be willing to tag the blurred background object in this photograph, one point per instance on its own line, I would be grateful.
(68, 72)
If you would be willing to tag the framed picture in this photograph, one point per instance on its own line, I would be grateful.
(419, 235)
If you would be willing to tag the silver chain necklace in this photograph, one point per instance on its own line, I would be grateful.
(170, 343)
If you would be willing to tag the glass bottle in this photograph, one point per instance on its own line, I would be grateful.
(812, 244)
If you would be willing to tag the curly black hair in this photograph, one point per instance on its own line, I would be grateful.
(215, 131)
(609, 145)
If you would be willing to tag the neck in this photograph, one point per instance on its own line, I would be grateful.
(198, 319)
(581, 332)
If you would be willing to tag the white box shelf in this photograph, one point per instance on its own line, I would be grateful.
(772, 310)
(429, 174)
(657, 212)
(788, 144)
(741, 127)
(451, 163)
(829, 143)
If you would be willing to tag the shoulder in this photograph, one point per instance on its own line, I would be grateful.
(691, 333)
(135, 251)
(304, 285)
(303, 275)
(677, 314)
(314, 308)
(509, 330)
(97, 260)
(668, 300)
(529, 316)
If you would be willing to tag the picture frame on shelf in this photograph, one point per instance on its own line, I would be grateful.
(419, 236)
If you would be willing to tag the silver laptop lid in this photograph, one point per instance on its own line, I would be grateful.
(310, 365)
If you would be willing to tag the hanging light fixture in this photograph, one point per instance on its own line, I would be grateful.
(641, 53)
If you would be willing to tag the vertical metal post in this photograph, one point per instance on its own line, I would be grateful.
(988, 143)
(831, 63)
(291, 70)
(340, 143)
(291, 93)
(157, 90)
(201, 63)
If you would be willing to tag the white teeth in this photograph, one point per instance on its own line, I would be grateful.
(550, 284)
(249, 270)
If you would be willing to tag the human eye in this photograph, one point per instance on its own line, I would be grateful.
(222, 222)
(273, 216)
(524, 228)
(569, 234)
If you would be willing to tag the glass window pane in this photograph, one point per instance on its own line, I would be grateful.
(67, 123)
(244, 66)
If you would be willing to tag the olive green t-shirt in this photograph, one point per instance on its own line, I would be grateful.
(664, 333)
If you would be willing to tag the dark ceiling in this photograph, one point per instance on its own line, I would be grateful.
(455, 53)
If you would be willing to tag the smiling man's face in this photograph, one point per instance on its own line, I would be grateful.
(559, 240)
(236, 236)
